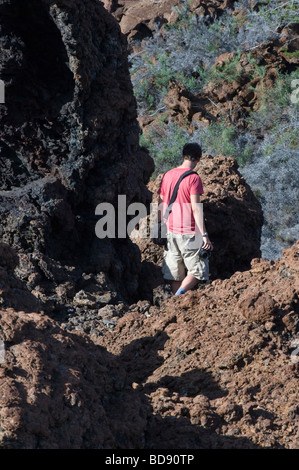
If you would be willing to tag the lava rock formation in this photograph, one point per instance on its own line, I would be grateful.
(68, 141)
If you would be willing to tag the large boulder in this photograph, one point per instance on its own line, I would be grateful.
(233, 215)
(68, 141)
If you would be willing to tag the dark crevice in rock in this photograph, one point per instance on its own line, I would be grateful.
(46, 82)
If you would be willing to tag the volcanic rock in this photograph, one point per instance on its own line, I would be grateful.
(138, 20)
(13, 292)
(204, 371)
(61, 391)
(68, 142)
(233, 218)
(214, 368)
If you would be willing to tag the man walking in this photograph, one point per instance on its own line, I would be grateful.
(186, 229)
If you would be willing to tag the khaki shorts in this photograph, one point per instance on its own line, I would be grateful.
(181, 257)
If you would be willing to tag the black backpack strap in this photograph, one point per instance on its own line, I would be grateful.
(175, 192)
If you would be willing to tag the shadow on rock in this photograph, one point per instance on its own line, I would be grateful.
(190, 384)
(61, 390)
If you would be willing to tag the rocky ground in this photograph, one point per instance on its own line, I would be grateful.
(215, 368)
(216, 364)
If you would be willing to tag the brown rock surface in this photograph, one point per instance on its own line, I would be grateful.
(61, 391)
(230, 99)
(202, 372)
(211, 369)
(226, 376)
(13, 292)
(235, 98)
(138, 19)
(233, 219)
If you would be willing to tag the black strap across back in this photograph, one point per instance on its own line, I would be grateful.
(175, 191)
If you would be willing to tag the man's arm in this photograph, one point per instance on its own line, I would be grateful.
(160, 200)
(199, 220)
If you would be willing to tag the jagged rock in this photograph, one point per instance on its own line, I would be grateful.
(138, 20)
(62, 391)
(233, 215)
(183, 106)
(68, 141)
(13, 293)
(223, 378)
(196, 373)
(215, 368)
(110, 5)
(231, 99)
(237, 97)
(209, 7)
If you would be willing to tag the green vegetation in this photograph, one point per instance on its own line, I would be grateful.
(229, 72)
(192, 42)
(219, 138)
(276, 116)
(293, 54)
(275, 107)
(152, 88)
(165, 147)
(266, 147)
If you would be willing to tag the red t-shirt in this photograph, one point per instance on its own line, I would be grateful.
(181, 219)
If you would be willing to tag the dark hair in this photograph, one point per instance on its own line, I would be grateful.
(192, 152)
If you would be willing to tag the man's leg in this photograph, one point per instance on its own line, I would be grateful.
(175, 285)
(198, 268)
(189, 282)
(173, 267)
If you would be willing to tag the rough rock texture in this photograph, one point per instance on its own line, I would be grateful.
(237, 98)
(139, 19)
(233, 219)
(233, 215)
(60, 390)
(13, 292)
(231, 99)
(215, 368)
(68, 141)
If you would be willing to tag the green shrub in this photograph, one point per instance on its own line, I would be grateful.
(276, 104)
(221, 138)
(165, 145)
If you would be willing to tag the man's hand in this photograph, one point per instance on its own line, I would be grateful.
(199, 220)
(208, 245)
